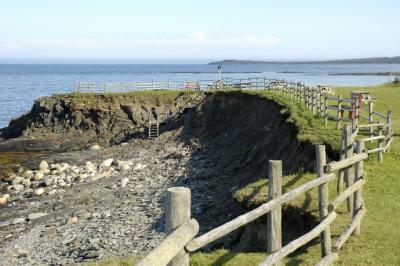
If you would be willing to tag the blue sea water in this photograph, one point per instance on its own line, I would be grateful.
(21, 84)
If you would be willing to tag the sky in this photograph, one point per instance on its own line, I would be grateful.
(198, 31)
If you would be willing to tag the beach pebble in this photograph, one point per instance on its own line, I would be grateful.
(139, 166)
(124, 182)
(3, 200)
(17, 180)
(26, 183)
(106, 163)
(38, 176)
(95, 147)
(43, 165)
(47, 181)
(39, 191)
(19, 220)
(72, 220)
(20, 253)
(51, 192)
(28, 174)
(83, 176)
(36, 215)
(18, 187)
(125, 166)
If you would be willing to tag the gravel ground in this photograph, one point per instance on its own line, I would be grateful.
(120, 214)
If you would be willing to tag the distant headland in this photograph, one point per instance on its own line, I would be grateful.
(371, 60)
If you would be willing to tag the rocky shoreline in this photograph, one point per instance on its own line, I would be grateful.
(97, 210)
(90, 197)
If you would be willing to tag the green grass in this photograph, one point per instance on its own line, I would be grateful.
(150, 96)
(388, 98)
(379, 241)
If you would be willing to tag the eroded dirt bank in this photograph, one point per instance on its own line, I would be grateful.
(213, 143)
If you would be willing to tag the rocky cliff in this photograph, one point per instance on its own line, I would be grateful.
(76, 120)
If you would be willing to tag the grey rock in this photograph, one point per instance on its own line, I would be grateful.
(36, 215)
(18, 220)
(106, 163)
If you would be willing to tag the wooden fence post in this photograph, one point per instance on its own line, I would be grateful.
(359, 174)
(388, 129)
(311, 102)
(339, 111)
(325, 109)
(371, 117)
(342, 155)
(356, 114)
(380, 146)
(323, 200)
(274, 217)
(178, 212)
(320, 103)
(348, 174)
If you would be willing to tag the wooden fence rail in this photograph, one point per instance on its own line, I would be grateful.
(183, 236)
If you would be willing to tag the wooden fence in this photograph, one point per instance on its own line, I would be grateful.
(373, 126)
(181, 241)
(347, 171)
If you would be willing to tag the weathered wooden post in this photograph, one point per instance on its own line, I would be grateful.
(274, 217)
(325, 109)
(388, 130)
(380, 144)
(178, 212)
(320, 103)
(356, 114)
(371, 117)
(339, 111)
(342, 155)
(359, 174)
(348, 174)
(323, 200)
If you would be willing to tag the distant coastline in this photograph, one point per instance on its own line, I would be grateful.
(394, 74)
(371, 60)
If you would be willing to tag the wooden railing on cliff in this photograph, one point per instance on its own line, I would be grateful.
(348, 171)
(176, 247)
(318, 99)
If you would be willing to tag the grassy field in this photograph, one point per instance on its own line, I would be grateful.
(379, 242)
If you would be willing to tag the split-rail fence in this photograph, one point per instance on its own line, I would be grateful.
(348, 172)
(182, 229)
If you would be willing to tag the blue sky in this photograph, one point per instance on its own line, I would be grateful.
(198, 30)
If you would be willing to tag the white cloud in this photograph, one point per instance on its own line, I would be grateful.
(196, 44)
(10, 46)
(197, 36)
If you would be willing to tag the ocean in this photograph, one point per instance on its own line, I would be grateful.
(21, 84)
